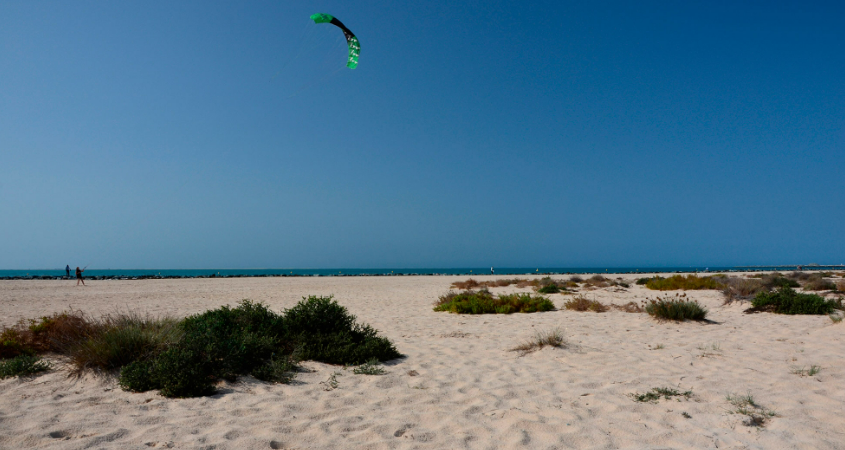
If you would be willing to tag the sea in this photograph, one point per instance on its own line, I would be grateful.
(341, 272)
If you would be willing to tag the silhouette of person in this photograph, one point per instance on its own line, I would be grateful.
(492, 272)
(67, 271)
(79, 276)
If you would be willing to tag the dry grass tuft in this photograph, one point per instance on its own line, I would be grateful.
(629, 307)
(581, 303)
(551, 338)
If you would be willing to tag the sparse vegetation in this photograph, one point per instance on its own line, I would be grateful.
(472, 284)
(629, 307)
(581, 303)
(787, 301)
(483, 302)
(370, 367)
(675, 308)
(688, 282)
(22, 365)
(804, 372)
(654, 395)
(185, 358)
(744, 404)
(552, 338)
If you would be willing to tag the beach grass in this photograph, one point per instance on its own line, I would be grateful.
(675, 308)
(684, 282)
(22, 365)
(551, 338)
(483, 302)
(581, 303)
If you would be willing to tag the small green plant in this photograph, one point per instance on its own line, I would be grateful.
(370, 367)
(686, 415)
(581, 303)
(22, 365)
(835, 318)
(658, 347)
(744, 404)
(813, 370)
(655, 394)
(483, 302)
(710, 350)
(677, 308)
(551, 338)
(787, 301)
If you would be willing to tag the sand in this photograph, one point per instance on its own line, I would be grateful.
(459, 386)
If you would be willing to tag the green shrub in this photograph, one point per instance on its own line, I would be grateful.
(323, 330)
(138, 376)
(280, 369)
(549, 289)
(819, 284)
(183, 372)
(787, 301)
(644, 281)
(689, 282)
(22, 365)
(483, 302)
(675, 309)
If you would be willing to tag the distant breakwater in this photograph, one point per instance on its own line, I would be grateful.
(139, 274)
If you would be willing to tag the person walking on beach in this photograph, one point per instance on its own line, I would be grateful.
(79, 276)
(67, 270)
(492, 272)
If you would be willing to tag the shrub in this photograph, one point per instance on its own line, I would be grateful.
(483, 302)
(676, 308)
(12, 344)
(787, 301)
(324, 331)
(581, 303)
(468, 284)
(138, 376)
(689, 282)
(278, 370)
(182, 371)
(656, 393)
(549, 289)
(819, 284)
(644, 281)
(22, 365)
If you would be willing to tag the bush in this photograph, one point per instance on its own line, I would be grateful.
(689, 282)
(12, 344)
(22, 365)
(819, 284)
(280, 369)
(549, 289)
(324, 331)
(581, 303)
(138, 376)
(483, 302)
(183, 372)
(676, 308)
(787, 301)
(644, 281)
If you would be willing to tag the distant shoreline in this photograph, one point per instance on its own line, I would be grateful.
(163, 274)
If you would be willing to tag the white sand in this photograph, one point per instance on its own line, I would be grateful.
(470, 391)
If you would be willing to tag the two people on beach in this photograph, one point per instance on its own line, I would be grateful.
(79, 276)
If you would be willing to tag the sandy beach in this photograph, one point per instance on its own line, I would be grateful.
(459, 385)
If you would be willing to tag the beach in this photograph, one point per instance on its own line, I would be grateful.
(460, 385)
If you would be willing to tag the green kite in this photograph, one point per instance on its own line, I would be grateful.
(351, 40)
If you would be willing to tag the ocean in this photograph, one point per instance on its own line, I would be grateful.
(468, 271)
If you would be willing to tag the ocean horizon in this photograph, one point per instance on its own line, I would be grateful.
(469, 271)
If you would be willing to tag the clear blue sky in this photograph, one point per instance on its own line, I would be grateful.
(475, 133)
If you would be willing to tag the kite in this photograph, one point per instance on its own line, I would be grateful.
(351, 40)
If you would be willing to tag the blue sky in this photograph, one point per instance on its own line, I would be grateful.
(567, 134)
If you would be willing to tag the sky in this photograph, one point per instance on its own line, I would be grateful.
(476, 133)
